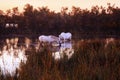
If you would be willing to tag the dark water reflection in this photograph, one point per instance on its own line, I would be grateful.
(12, 52)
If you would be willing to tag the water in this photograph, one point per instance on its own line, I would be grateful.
(13, 53)
(65, 49)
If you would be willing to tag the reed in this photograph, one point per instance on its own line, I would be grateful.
(91, 61)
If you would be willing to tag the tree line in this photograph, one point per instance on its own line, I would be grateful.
(98, 22)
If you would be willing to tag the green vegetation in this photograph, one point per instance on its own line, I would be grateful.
(91, 61)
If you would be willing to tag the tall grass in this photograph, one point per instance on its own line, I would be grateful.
(91, 61)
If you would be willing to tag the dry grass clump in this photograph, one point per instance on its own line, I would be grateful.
(91, 61)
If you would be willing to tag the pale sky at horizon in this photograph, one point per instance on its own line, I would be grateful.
(55, 4)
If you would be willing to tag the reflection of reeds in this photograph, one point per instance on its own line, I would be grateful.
(91, 61)
(10, 60)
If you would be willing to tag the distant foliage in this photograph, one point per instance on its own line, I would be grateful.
(99, 21)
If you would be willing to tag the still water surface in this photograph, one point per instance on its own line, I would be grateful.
(13, 52)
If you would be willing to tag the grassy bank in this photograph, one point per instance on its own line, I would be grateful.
(91, 61)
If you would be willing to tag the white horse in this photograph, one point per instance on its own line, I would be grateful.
(48, 39)
(65, 36)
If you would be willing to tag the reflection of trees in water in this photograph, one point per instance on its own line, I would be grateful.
(10, 60)
(13, 51)
(11, 56)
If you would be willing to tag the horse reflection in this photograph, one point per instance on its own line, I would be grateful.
(64, 50)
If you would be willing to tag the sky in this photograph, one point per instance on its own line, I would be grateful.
(55, 5)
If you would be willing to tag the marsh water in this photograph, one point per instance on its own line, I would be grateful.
(13, 52)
